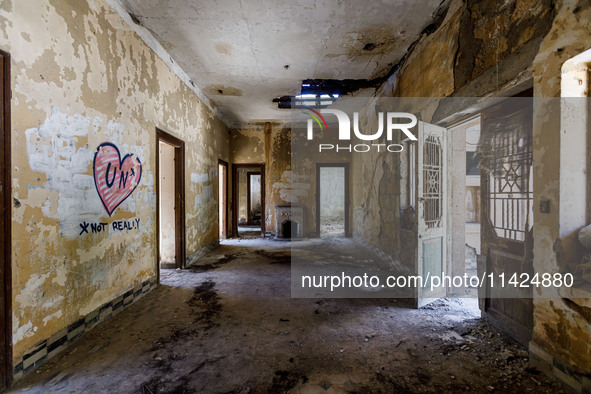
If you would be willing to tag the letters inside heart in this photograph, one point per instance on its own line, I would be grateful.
(115, 178)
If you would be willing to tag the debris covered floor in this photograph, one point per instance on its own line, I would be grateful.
(229, 325)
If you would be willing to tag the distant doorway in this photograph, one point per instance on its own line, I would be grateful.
(253, 202)
(223, 199)
(332, 199)
(5, 220)
(171, 198)
(248, 199)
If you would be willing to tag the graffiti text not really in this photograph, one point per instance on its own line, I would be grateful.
(117, 225)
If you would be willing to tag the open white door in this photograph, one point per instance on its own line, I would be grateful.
(432, 200)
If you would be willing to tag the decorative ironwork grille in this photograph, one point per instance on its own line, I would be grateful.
(510, 184)
(432, 181)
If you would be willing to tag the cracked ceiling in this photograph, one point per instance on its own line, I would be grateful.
(244, 53)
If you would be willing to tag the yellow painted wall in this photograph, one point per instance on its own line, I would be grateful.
(80, 77)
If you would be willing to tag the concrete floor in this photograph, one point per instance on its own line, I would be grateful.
(332, 227)
(230, 325)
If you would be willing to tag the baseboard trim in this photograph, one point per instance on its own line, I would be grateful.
(552, 367)
(50, 347)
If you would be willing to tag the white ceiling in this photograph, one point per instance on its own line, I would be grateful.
(241, 47)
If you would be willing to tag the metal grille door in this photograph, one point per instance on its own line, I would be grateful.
(510, 185)
(432, 181)
(507, 195)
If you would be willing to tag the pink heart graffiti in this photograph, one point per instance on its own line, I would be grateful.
(115, 178)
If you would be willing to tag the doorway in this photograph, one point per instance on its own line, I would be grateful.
(473, 196)
(464, 209)
(248, 199)
(253, 202)
(5, 221)
(491, 210)
(332, 199)
(223, 199)
(171, 201)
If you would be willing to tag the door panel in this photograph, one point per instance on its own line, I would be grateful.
(431, 193)
(5, 234)
(507, 213)
(223, 198)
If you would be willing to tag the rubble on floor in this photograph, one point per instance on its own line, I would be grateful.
(230, 325)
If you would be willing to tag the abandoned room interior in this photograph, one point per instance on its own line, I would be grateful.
(210, 196)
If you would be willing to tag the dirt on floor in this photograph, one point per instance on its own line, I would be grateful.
(229, 325)
(332, 227)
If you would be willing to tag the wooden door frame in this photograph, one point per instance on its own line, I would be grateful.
(248, 205)
(179, 186)
(227, 167)
(235, 168)
(347, 197)
(5, 225)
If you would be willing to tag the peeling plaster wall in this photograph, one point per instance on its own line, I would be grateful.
(81, 77)
(562, 326)
(247, 146)
(376, 198)
(269, 144)
(283, 185)
(483, 49)
(442, 64)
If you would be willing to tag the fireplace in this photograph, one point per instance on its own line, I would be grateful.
(289, 229)
(289, 221)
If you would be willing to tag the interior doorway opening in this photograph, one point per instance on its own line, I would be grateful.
(167, 206)
(441, 163)
(171, 197)
(223, 199)
(248, 199)
(464, 208)
(253, 203)
(332, 199)
(473, 195)
(491, 209)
